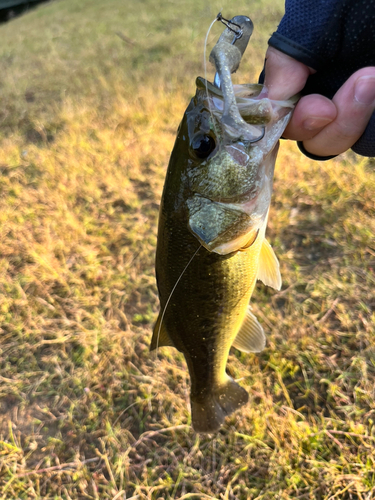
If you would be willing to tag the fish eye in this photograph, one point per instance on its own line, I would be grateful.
(202, 146)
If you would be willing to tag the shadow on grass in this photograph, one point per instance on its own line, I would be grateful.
(18, 8)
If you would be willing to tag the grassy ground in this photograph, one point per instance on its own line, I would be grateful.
(91, 94)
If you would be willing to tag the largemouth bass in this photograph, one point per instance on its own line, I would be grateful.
(211, 239)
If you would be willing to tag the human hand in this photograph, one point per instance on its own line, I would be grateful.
(326, 127)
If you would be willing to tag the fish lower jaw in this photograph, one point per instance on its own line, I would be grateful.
(224, 228)
(242, 240)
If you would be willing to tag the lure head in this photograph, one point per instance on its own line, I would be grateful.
(230, 176)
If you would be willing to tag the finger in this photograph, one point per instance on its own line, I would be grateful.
(284, 76)
(312, 113)
(355, 103)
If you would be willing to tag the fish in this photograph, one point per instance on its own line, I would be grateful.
(211, 245)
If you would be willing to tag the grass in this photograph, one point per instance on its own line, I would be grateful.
(91, 95)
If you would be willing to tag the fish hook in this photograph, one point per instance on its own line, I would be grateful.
(257, 139)
(227, 22)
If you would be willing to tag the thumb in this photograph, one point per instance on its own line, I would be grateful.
(284, 76)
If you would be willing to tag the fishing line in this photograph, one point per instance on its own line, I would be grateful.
(204, 52)
(165, 308)
(170, 295)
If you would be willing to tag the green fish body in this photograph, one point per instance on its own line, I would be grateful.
(211, 243)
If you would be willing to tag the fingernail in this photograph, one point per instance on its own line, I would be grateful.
(364, 91)
(315, 122)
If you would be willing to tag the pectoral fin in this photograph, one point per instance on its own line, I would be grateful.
(160, 336)
(269, 268)
(251, 336)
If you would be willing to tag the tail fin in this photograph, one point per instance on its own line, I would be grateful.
(209, 415)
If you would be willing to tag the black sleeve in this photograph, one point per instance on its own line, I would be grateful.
(334, 37)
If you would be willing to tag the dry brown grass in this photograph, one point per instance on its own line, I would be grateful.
(87, 121)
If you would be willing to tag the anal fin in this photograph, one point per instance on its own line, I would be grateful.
(251, 336)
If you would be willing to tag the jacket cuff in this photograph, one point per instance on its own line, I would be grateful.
(295, 50)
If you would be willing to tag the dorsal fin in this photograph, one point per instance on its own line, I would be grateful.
(251, 336)
(160, 336)
(269, 268)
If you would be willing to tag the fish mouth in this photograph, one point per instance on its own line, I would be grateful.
(221, 227)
